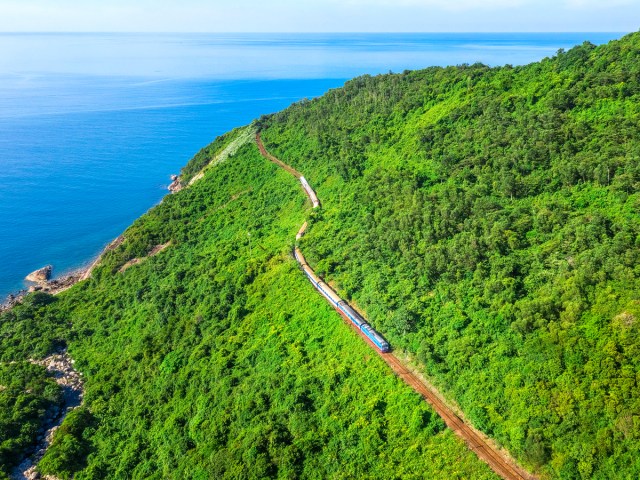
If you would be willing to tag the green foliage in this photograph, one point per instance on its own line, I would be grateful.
(26, 394)
(203, 157)
(70, 446)
(216, 358)
(29, 330)
(211, 152)
(486, 219)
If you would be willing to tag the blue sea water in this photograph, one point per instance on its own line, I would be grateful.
(92, 125)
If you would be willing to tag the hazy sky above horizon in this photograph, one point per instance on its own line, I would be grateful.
(319, 15)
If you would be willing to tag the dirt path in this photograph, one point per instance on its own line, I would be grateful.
(499, 461)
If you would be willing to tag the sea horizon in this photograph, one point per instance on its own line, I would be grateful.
(355, 32)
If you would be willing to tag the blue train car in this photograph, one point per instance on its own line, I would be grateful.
(357, 320)
(341, 305)
(367, 329)
(376, 338)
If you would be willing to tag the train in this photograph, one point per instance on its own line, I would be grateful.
(312, 195)
(341, 305)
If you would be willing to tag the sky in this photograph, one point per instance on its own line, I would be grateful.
(319, 15)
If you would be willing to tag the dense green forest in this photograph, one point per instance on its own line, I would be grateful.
(26, 394)
(487, 220)
(216, 358)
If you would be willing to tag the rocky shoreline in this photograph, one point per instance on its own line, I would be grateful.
(41, 277)
(42, 283)
(176, 184)
(51, 287)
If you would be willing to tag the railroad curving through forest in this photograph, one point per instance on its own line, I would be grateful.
(501, 463)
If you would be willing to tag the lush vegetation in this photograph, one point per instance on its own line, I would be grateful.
(26, 394)
(217, 359)
(486, 219)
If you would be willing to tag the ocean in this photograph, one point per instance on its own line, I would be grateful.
(92, 125)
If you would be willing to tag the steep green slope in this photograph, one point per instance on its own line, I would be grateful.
(487, 220)
(216, 358)
(26, 394)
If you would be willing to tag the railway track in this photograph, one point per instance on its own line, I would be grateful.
(498, 461)
(273, 159)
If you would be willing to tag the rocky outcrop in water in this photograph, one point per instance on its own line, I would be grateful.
(42, 283)
(42, 275)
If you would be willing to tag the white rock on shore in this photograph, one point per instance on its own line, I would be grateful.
(42, 275)
(176, 184)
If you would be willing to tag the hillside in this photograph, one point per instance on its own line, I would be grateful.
(487, 222)
(215, 358)
(484, 219)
